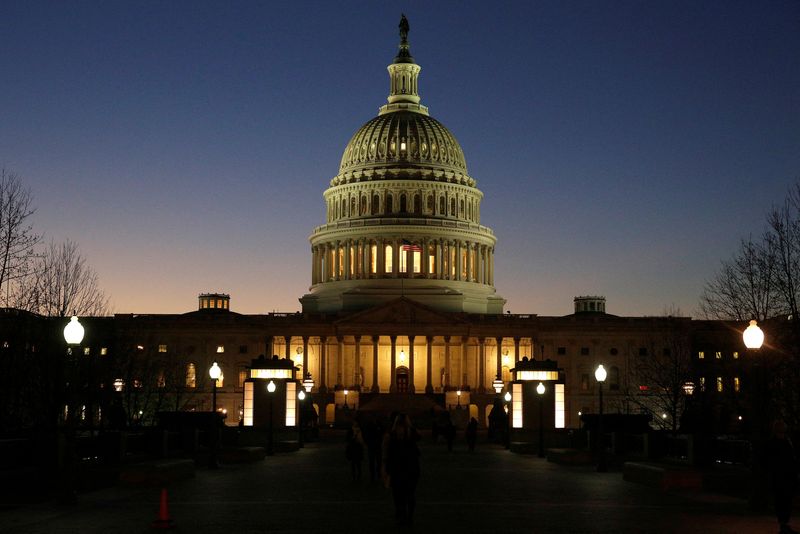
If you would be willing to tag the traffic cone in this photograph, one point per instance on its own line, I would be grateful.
(163, 520)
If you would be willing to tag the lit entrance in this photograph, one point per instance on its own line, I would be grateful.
(401, 380)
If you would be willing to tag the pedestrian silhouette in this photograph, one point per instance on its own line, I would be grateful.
(471, 433)
(782, 464)
(401, 467)
(354, 450)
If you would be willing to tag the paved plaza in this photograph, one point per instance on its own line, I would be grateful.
(490, 490)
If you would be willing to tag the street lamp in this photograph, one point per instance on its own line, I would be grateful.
(540, 391)
(270, 390)
(458, 398)
(507, 398)
(308, 383)
(600, 375)
(73, 332)
(73, 335)
(345, 398)
(753, 338)
(497, 384)
(214, 373)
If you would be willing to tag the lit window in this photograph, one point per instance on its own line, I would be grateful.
(559, 406)
(247, 410)
(220, 349)
(162, 348)
(221, 379)
(388, 259)
(291, 403)
(432, 263)
(516, 405)
(140, 347)
(702, 383)
(119, 384)
(242, 377)
(191, 376)
(719, 384)
(103, 351)
(735, 355)
(701, 355)
(162, 380)
(373, 259)
(403, 257)
(417, 259)
(736, 384)
(718, 355)
(86, 351)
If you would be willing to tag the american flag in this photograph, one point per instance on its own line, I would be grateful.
(411, 247)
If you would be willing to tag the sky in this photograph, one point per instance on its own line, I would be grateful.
(623, 148)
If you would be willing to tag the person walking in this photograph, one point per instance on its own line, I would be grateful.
(782, 464)
(401, 468)
(472, 433)
(354, 451)
(373, 437)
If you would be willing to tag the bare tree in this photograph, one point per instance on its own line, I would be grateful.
(662, 371)
(17, 238)
(61, 284)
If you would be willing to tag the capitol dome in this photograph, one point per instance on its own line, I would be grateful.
(402, 214)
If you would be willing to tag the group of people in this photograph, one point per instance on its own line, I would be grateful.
(392, 456)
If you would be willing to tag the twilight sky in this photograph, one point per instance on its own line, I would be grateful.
(623, 148)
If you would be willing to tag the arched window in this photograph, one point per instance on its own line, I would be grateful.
(430, 204)
(453, 207)
(469, 215)
(353, 211)
(613, 378)
(389, 204)
(417, 205)
(461, 207)
(343, 213)
(403, 204)
(387, 251)
(191, 376)
(442, 206)
(363, 210)
(376, 203)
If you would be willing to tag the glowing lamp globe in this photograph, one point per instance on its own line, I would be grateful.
(73, 332)
(507, 396)
(600, 373)
(214, 372)
(540, 389)
(753, 336)
(301, 395)
(271, 386)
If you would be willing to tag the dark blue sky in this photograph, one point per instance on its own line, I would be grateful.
(623, 148)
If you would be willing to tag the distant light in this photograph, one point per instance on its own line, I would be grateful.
(580, 414)
(740, 418)
(402, 356)
(753, 336)
(663, 416)
(402, 145)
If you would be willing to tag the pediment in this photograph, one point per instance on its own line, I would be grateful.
(401, 312)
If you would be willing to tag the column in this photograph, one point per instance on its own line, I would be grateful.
(357, 373)
(481, 363)
(463, 362)
(376, 388)
(336, 261)
(447, 369)
(339, 361)
(395, 263)
(470, 253)
(516, 351)
(381, 258)
(411, 388)
(393, 364)
(323, 371)
(269, 347)
(347, 263)
(428, 378)
(499, 341)
(458, 260)
(438, 265)
(287, 350)
(305, 357)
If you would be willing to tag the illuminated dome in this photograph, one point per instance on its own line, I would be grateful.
(391, 142)
(402, 215)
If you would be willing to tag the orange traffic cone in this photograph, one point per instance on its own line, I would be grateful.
(163, 520)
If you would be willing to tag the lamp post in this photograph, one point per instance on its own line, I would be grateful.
(497, 384)
(73, 335)
(458, 398)
(753, 338)
(507, 398)
(540, 390)
(600, 375)
(345, 399)
(214, 373)
(301, 396)
(270, 389)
